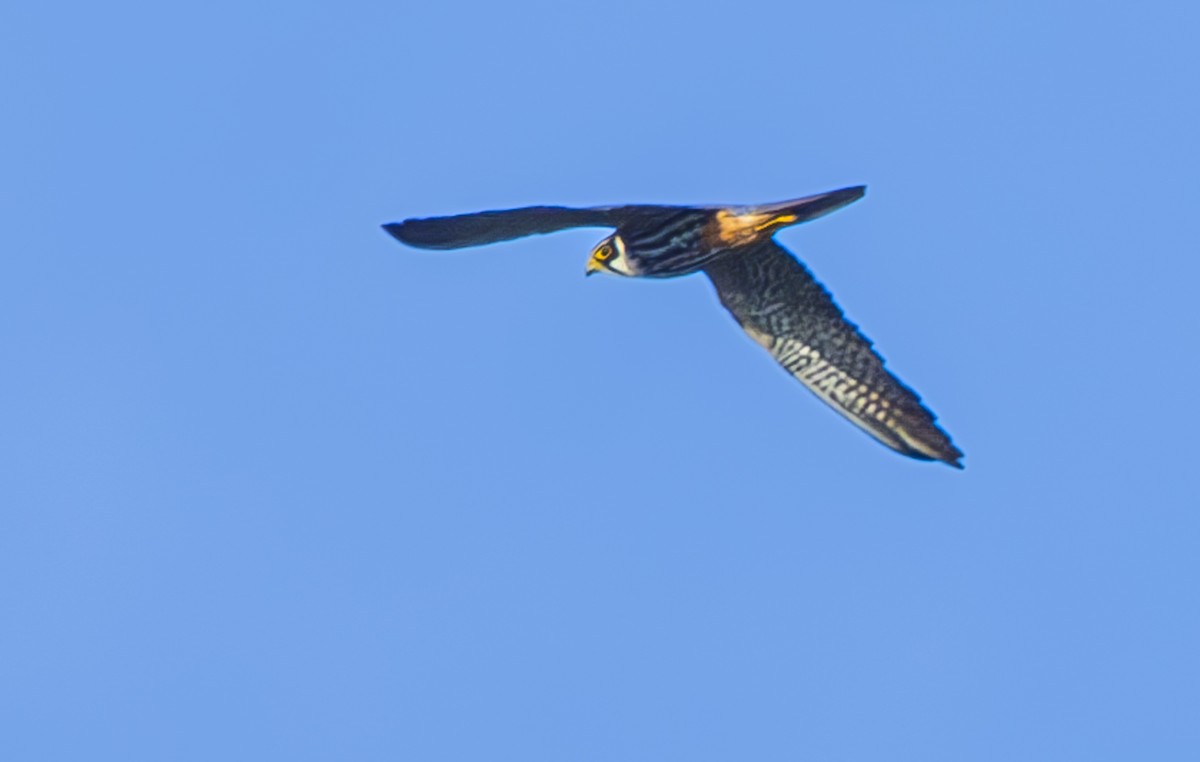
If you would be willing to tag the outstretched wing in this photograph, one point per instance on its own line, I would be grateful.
(482, 228)
(782, 307)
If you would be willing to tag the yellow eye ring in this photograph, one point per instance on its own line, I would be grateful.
(604, 252)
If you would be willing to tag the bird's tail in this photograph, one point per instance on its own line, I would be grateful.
(786, 213)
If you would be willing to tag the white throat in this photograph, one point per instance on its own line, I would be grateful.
(620, 262)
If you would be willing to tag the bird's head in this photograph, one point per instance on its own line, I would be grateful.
(609, 255)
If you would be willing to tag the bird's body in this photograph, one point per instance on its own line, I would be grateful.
(665, 244)
(767, 290)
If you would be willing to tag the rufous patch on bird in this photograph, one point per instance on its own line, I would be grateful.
(733, 229)
(769, 292)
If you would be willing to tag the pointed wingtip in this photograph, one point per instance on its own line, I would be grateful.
(923, 439)
(394, 230)
(944, 451)
(951, 455)
(852, 193)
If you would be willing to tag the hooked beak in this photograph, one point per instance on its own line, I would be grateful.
(593, 267)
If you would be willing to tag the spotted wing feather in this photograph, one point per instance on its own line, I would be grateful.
(782, 307)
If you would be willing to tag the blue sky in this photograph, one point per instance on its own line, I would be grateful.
(276, 487)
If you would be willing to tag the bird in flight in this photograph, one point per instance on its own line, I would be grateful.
(768, 291)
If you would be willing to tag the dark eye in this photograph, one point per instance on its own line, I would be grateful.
(604, 252)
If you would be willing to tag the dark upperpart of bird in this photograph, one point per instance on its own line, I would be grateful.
(684, 240)
(769, 292)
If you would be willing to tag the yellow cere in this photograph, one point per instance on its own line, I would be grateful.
(599, 256)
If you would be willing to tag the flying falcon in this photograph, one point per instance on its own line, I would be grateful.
(769, 292)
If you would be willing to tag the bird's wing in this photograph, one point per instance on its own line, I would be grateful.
(810, 207)
(782, 307)
(482, 228)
